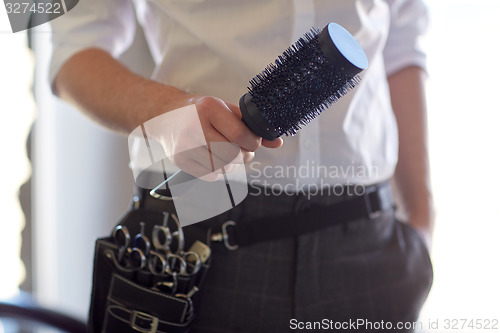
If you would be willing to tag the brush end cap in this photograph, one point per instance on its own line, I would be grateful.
(342, 49)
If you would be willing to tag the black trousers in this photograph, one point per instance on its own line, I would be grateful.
(373, 271)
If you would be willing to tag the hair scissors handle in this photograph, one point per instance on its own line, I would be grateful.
(136, 257)
(141, 241)
(157, 263)
(176, 265)
(121, 237)
(193, 262)
(162, 238)
(178, 235)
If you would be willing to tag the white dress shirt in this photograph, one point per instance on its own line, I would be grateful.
(214, 47)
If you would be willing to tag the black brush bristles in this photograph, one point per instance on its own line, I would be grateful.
(299, 85)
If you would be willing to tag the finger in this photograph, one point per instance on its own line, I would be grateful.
(204, 157)
(230, 153)
(210, 161)
(197, 169)
(212, 177)
(235, 131)
(199, 154)
(248, 156)
(221, 147)
(229, 124)
(193, 168)
(272, 144)
(241, 156)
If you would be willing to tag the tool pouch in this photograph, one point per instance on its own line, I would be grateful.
(126, 300)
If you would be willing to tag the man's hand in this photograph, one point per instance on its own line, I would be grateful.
(424, 227)
(206, 138)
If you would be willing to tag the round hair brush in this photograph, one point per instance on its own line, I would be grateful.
(312, 74)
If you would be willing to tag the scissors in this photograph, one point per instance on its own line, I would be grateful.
(141, 241)
(136, 255)
(171, 260)
(189, 262)
(192, 259)
(163, 237)
(162, 259)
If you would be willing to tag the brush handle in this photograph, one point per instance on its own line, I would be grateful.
(254, 119)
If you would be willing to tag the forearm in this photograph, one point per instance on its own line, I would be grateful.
(412, 174)
(112, 95)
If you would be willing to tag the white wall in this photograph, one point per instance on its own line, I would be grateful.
(82, 186)
(464, 116)
(17, 112)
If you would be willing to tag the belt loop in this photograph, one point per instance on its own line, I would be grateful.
(302, 202)
(372, 202)
(237, 212)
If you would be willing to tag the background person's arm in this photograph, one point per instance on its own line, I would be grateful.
(412, 171)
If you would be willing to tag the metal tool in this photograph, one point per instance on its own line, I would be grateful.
(176, 265)
(202, 250)
(177, 235)
(162, 237)
(128, 258)
(141, 241)
(169, 285)
(164, 258)
(193, 261)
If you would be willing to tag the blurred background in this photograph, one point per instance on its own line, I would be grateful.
(67, 207)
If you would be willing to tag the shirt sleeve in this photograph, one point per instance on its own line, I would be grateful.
(106, 24)
(409, 21)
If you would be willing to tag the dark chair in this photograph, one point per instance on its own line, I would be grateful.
(25, 310)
